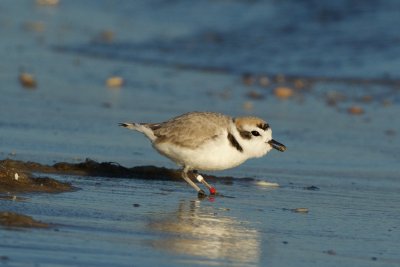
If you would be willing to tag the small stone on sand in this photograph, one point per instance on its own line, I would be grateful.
(283, 92)
(299, 84)
(248, 79)
(27, 80)
(300, 210)
(355, 110)
(255, 95)
(114, 82)
(106, 36)
(312, 188)
(266, 184)
(47, 2)
(248, 105)
(264, 81)
(333, 97)
(330, 252)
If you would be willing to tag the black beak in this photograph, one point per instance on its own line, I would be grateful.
(276, 145)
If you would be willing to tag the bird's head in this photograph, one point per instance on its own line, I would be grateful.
(256, 136)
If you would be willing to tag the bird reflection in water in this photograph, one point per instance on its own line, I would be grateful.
(203, 233)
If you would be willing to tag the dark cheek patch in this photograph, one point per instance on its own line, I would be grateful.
(245, 134)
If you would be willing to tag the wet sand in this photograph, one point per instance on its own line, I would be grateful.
(14, 220)
(328, 87)
(135, 219)
(16, 177)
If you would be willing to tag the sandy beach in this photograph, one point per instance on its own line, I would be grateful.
(77, 190)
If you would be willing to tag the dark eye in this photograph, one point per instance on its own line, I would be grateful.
(255, 133)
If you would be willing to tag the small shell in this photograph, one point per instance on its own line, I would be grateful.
(114, 82)
(264, 81)
(27, 80)
(283, 92)
(47, 2)
(355, 110)
(248, 105)
(266, 184)
(300, 210)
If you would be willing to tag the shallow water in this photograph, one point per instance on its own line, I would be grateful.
(174, 59)
(100, 225)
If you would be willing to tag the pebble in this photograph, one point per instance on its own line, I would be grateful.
(283, 92)
(47, 2)
(330, 252)
(114, 82)
(248, 79)
(299, 84)
(312, 188)
(333, 97)
(106, 36)
(355, 110)
(255, 95)
(300, 210)
(248, 105)
(264, 81)
(27, 80)
(266, 184)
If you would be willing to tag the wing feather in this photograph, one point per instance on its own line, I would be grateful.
(191, 130)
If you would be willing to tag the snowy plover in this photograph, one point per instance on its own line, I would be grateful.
(208, 141)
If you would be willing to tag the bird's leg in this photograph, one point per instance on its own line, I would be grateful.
(185, 176)
(201, 179)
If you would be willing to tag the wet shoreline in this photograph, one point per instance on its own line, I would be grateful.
(323, 74)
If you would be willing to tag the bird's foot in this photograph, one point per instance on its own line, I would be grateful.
(201, 194)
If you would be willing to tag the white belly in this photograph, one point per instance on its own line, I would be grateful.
(217, 154)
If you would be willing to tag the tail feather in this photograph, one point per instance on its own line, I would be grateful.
(140, 127)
